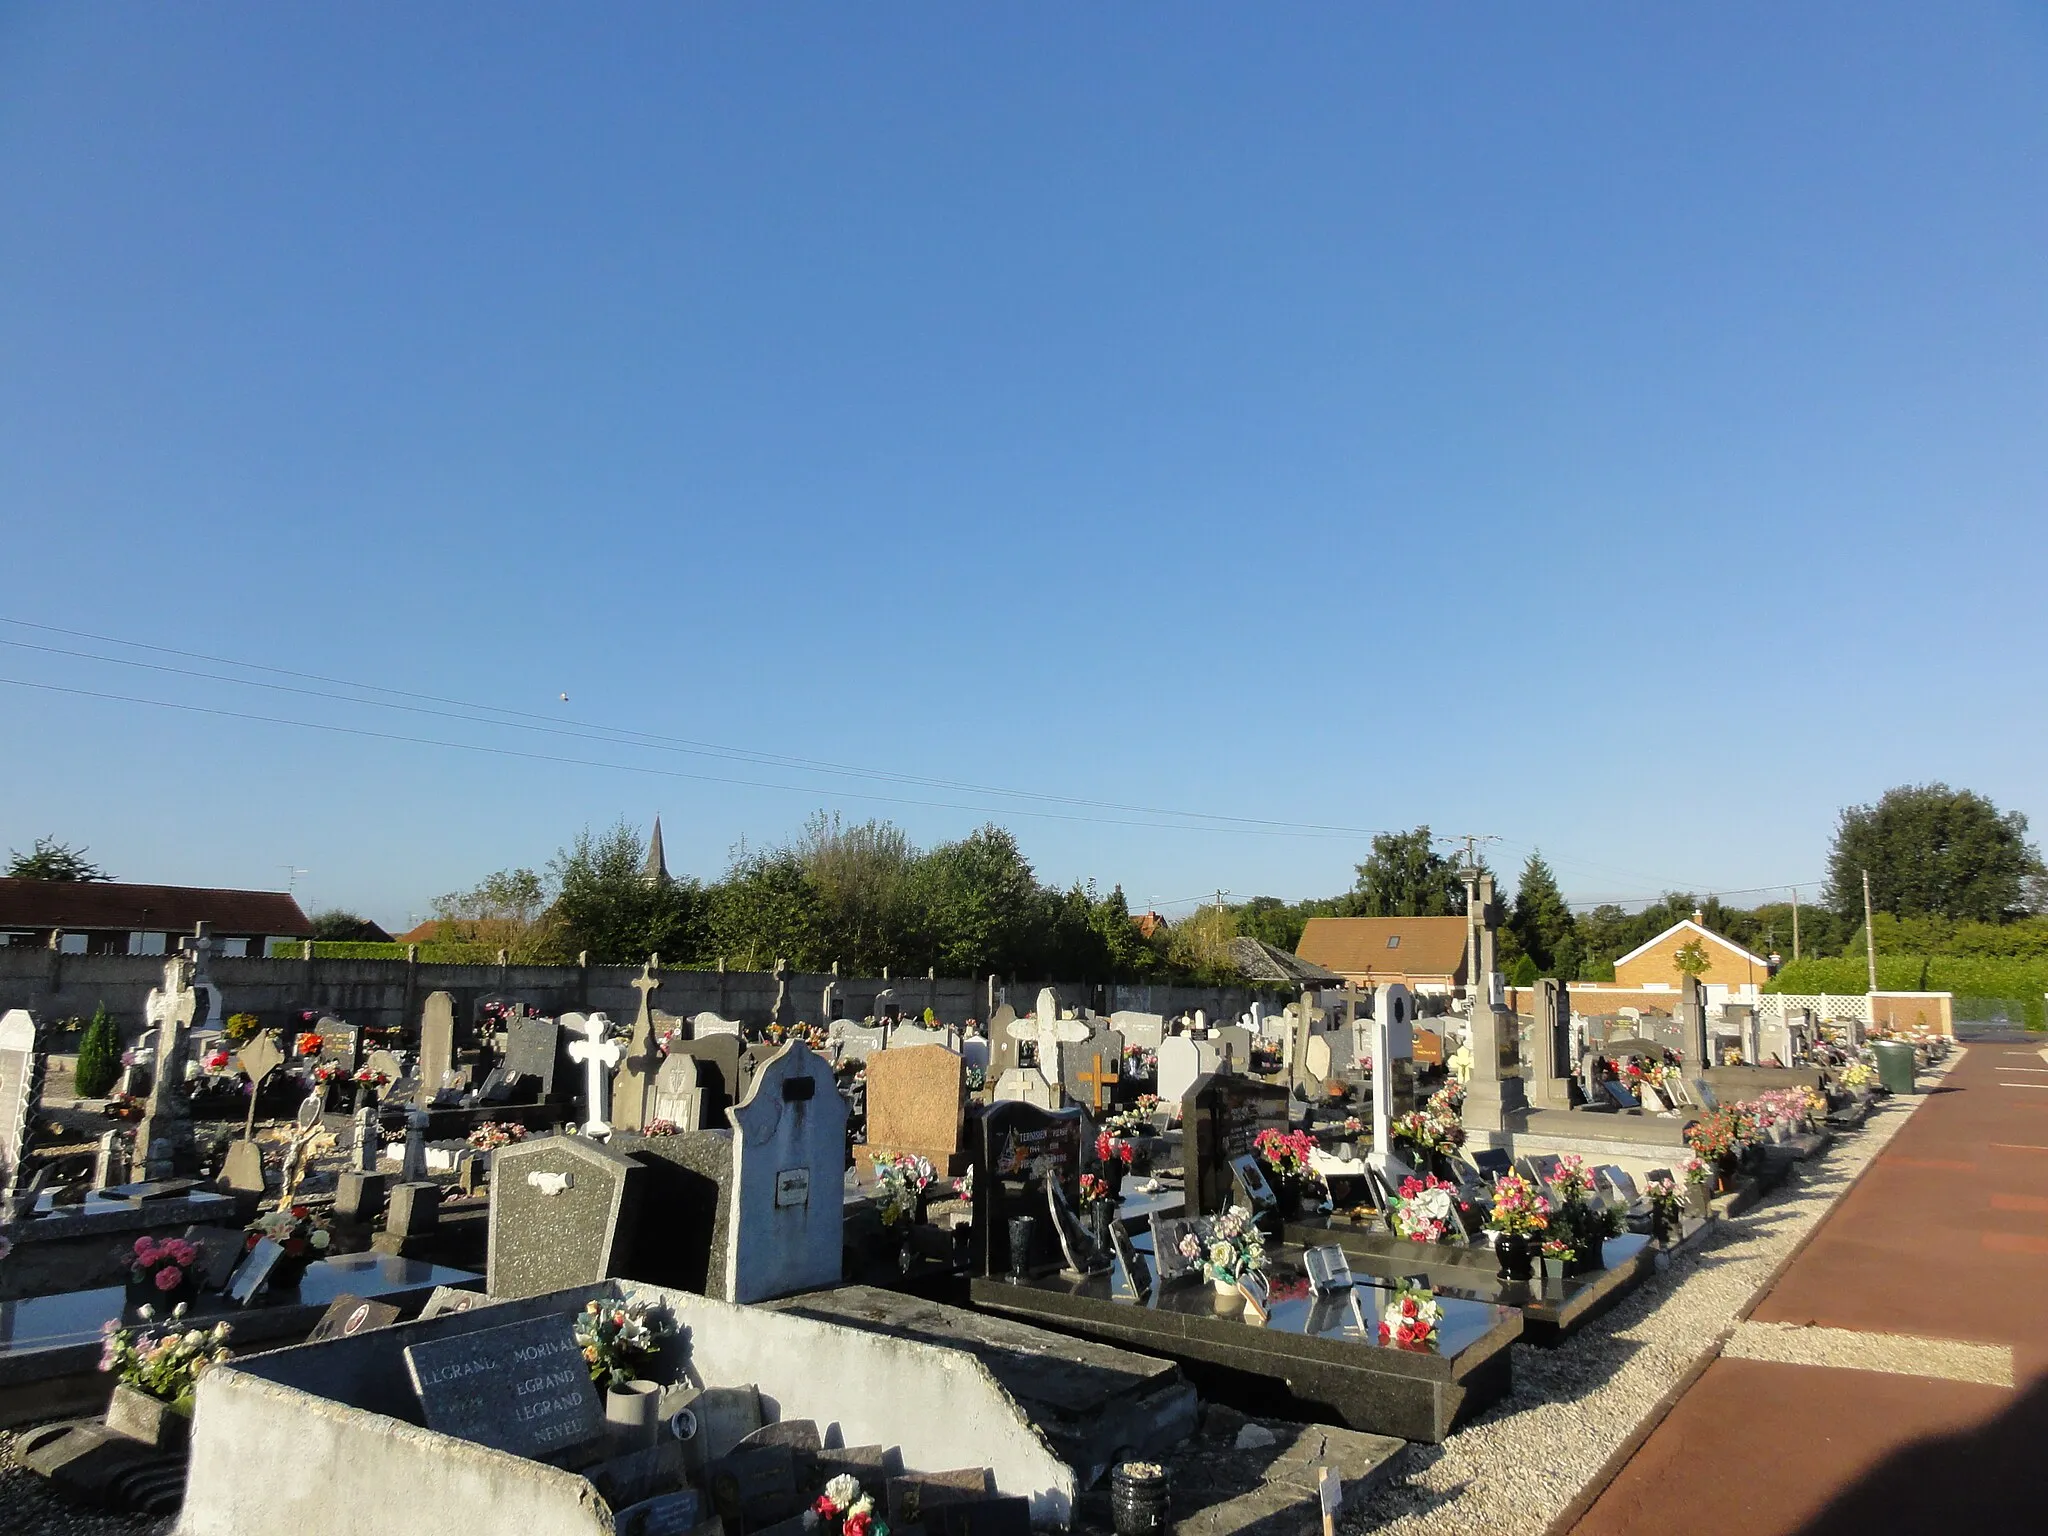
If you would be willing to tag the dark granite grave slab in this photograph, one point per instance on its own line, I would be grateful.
(521, 1387)
(104, 1212)
(1309, 1359)
(1552, 1310)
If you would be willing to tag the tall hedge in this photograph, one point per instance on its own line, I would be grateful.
(99, 1057)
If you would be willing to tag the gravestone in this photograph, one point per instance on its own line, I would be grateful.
(633, 1087)
(1090, 1070)
(906, 1036)
(686, 1180)
(598, 1054)
(21, 1083)
(917, 1103)
(110, 1161)
(1221, 1122)
(707, 1024)
(1181, 1061)
(520, 1387)
(789, 1157)
(1017, 1149)
(1550, 1042)
(676, 1097)
(1002, 1045)
(1043, 1033)
(1690, 1020)
(1392, 1034)
(563, 1212)
(1495, 1099)
(752, 1059)
(532, 1047)
(163, 1141)
(718, 1073)
(1234, 1041)
(437, 1044)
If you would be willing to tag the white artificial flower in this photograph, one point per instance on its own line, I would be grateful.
(843, 1490)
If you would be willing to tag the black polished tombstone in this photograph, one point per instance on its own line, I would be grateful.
(1221, 1119)
(1014, 1148)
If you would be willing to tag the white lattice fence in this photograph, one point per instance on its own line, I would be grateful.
(1773, 1006)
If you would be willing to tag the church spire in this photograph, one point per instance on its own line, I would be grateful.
(655, 871)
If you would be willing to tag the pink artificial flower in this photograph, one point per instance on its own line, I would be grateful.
(169, 1278)
(145, 1250)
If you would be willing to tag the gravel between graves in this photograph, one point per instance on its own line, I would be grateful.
(1514, 1470)
(1845, 1349)
(29, 1508)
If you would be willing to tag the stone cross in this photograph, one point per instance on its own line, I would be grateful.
(598, 1056)
(1495, 1098)
(1098, 1080)
(164, 1138)
(634, 1089)
(412, 1169)
(1393, 1012)
(1047, 1030)
(364, 1158)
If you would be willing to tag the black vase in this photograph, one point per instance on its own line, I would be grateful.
(1517, 1255)
(1139, 1504)
(143, 1292)
(1113, 1176)
(1020, 1244)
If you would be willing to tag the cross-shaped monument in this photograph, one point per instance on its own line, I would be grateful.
(1047, 1031)
(164, 1138)
(1097, 1081)
(633, 1090)
(598, 1056)
(1393, 1015)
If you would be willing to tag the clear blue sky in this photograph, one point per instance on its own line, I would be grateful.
(1616, 430)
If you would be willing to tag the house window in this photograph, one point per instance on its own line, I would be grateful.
(146, 943)
(1393, 941)
(71, 944)
(234, 949)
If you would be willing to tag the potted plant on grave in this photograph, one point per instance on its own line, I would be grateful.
(301, 1235)
(1424, 1210)
(844, 1510)
(156, 1372)
(369, 1083)
(1557, 1257)
(1410, 1320)
(1667, 1206)
(1236, 1250)
(161, 1274)
(1284, 1155)
(1579, 1222)
(900, 1185)
(1698, 1193)
(1115, 1155)
(620, 1340)
(1714, 1140)
(1519, 1219)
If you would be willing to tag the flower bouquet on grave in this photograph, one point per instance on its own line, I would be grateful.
(901, 1182)
(1285, 1156)
(1114, 1154)
(844, 1510)
(1716, 1138)
(1667, 1208)
(1424, 1210)
(976, 1079)
(327, 1073)
(160, 1272)
(964, 1185)
(1235, 1250)
(303, 1236)
(162, 1363)
(241, 1026)
(1410, 1320)
(1141, 1062)
(1519, 1219)
(620, 1339)
(1858, 1075)
(1448, 1100)
(368, 1081)
(493, 1134)
(661, 1128)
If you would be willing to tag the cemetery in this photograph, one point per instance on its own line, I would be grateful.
(513, 1263)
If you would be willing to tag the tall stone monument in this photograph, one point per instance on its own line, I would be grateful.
(1495, 1100)
(1550, 1048)
(1393, 1038)
(1692, 1024)
(163, 1139)
(633, 1083)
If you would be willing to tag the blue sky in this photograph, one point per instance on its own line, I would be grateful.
(1620, 432)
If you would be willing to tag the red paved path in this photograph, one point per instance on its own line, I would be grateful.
(1945, 1236)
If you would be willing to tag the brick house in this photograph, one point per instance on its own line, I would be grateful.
(100, 917)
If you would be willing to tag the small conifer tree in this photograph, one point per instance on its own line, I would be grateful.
(99, 1057)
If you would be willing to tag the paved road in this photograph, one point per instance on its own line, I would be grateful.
(1935, 1266)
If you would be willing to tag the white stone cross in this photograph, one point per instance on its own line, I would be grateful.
(1047, 1031)
(1393, 1010)
(598, 1056)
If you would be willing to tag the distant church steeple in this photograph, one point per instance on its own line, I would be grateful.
(655, 871)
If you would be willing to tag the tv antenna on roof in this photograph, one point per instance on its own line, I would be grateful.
(291, 877)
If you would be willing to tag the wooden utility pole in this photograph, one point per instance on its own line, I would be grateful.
(1795, 922)
(1869, 932)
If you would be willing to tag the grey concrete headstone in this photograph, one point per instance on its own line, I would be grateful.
(789, 1154)
(531, 1047)
(563, 1213)
(437, 1043)
(676, 1097)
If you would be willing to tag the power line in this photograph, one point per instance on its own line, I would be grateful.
(610, 735)
(667, 773)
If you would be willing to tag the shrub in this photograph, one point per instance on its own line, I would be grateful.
(99, 1057)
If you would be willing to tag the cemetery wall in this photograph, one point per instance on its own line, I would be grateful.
(389, 993)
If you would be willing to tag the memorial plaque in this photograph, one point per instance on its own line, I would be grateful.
(346, 1316)
(522, 1387)
(254, 1270)
(670, 1514)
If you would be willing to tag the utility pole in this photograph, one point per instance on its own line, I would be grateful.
(1869, 932)
(1795, 922)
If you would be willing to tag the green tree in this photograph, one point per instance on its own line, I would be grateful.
(99, 1057)
(1541, 920)
(1405, 877)
(337, 923)
(1128, 956)
(979, 907)
(1525, 972)
(862, 875)
(52, 860)
(1692, 958)
(1931, 851)
(507, 910)
(1199, 947)
(606, 904)
(767, 909)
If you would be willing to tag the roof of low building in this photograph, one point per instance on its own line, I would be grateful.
(1697, 930)
(84, 906)
(1406, 946)
(1257, 960)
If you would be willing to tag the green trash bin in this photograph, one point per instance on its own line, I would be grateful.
(1894, 1065)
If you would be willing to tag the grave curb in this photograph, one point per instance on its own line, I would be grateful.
(1589, 1494)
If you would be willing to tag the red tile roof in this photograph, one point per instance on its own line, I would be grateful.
(81, 906)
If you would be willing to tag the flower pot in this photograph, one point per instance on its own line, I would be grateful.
(288, 1271)
(1225, 1287)
(144, 1292)
(1020, 1244)
(1553, 1269)
(631, 1411)
(1517, 1255)
(1100, 1215)
(1139, 1503)
(156, 1423)
(1113, 1176)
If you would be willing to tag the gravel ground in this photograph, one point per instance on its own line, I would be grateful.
(1843, 1348)
(1515, 1469)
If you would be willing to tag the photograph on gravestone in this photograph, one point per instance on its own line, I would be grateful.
(1170, 1238)
(520, 1387)
(346, 1316)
